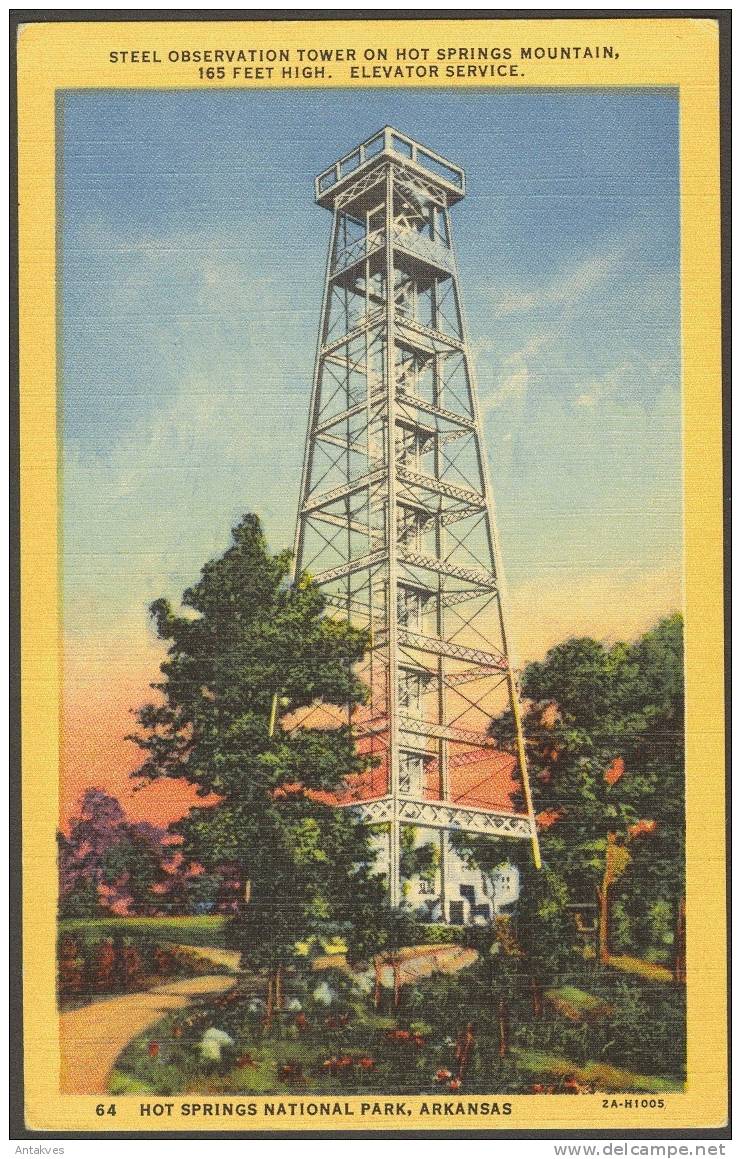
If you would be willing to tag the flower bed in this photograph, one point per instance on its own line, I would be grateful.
(450, 1035)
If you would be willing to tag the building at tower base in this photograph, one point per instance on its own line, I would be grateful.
(466, 897)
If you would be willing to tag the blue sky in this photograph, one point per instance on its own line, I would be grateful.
(192, 268)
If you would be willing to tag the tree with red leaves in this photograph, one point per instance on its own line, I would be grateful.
(105, 860)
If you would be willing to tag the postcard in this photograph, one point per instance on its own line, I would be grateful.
(372, 588)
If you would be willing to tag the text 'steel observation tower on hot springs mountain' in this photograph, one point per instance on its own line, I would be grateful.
(396, 521)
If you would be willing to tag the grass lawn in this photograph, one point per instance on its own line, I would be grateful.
(200, 930)
(547, 1067)
(651, 971)
(577, 1005)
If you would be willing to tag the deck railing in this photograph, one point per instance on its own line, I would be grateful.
(391, 142)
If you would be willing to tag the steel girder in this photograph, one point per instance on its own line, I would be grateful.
(439, 815)
(393, 461)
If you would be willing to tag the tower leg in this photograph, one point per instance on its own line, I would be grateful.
(394, 864)
(444, 875)
(522, 762)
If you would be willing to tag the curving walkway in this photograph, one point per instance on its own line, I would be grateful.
(91, 1038)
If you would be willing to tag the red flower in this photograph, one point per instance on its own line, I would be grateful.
(442, 1075)
(615, 771)
(399, 1035)
(571, 1086)
(291, 1070)
(331, 1065)
(154, 1049)
(640, 828)
(537, 1089)
(454, 1085)
(366, 1063)
(345, 1061)
(419, 1041)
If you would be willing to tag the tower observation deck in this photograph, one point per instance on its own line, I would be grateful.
(396, 520)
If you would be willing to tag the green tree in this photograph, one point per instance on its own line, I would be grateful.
(82, 901)
(249, 651)
(382, 932)
(418, 860)
(543, 933)
(544, 929)
(605, 730)
(106, 856)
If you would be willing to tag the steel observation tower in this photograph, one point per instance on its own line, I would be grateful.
(396, 519)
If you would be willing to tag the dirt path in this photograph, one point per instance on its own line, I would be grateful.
(423, 961)
(92, 1037)
(416, 962)
(219, 957)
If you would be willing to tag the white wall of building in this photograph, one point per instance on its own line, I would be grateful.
(472, 897)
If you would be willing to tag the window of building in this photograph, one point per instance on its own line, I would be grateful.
(411, 690)
(411, 774)
(410, 529)
(412, 605)
(456, 913)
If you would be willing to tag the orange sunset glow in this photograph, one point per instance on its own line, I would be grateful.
(108, 676)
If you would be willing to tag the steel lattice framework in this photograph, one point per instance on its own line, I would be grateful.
(396, 520)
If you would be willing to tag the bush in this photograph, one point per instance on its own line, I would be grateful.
(435, 933)
(106, 965)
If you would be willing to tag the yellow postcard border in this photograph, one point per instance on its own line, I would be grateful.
(680, 52)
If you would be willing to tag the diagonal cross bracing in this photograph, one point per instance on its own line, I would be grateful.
(341, 492)
(350, 525)
(439, 815)
(450, 416)
(452, 650)
(441, 487)
(455, 679)
(394, 389)
(439, 337)
(360, 564)
(471, 575)
(446, 732)
(358, 251)
(370, 319)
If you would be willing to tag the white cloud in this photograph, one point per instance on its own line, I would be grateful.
(512, 378)
(141, 518)
(574, 282)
